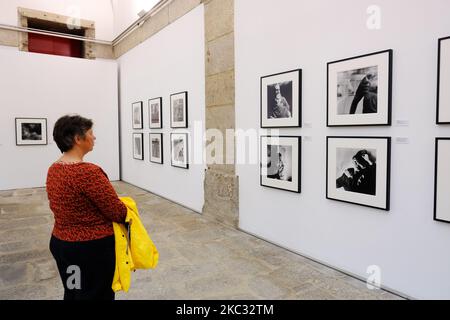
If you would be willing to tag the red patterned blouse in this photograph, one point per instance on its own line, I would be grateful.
(83, 202)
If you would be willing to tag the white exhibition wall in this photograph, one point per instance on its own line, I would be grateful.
(45, 86)
(169, 62)
(100, 11)
(408, 246)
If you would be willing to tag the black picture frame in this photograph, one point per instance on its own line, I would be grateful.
(151, 125)
(439, 99)
(161, 148)
(137, 119)
(383, 116)
(141, 145)
(384, 200)
(183, 123)
(292, 81)
(437, 183)
(31, 141)
(185, 164)
(296, 168)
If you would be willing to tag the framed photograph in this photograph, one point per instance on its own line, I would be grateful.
(137, 115)
(281, 162)
(281, 96)
(179, 150)
(443, 83)
(31, 131)
(155, 113)
(358, 170)
(442, 180)
(179, 110)
(138, 146)
(156, 148)
(359, 90)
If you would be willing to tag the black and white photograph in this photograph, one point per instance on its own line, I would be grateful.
(358, 170)
(179, 150)
(138, 146)
(137, 115)
(31, 131)
(359, 90)
(443, 93)
(442, 180)
(155, 112)
(179, 110)
(156, 148)
(280, 162)
(281, 99)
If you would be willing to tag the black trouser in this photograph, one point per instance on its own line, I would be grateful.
(86, 267)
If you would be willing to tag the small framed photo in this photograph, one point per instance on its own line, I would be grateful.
(137, 115)
(358, 170)
(155, 112)
(156, 148)
(179, 150)
(281, 163)
(179, 110)
(359, 90)
(31, 131)
(281, 96)
(443, 94)
(138, 146)
(442, 180)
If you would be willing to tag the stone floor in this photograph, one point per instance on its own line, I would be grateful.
(199, 259)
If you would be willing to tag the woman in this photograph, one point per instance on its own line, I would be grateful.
(84, 205)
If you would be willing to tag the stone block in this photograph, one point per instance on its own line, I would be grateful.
(220, 117)
(220, 54)
(45, 270)
(14, 274)
(267, 288)
(219, 18)
(221, 198)
(103, 51)
(178, 8)
(12, 224)
(220, 89)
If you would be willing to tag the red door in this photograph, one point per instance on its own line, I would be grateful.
(40, 43)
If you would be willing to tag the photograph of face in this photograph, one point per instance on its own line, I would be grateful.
(279, 162)
(178, 110)
(155, 112)
(356, 170)
(357, 91)
(156, 151)
(279, 100)
(31, 131)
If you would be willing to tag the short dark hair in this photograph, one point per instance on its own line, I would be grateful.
(67, 127)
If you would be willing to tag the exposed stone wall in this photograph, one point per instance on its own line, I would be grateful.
(221, 183)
